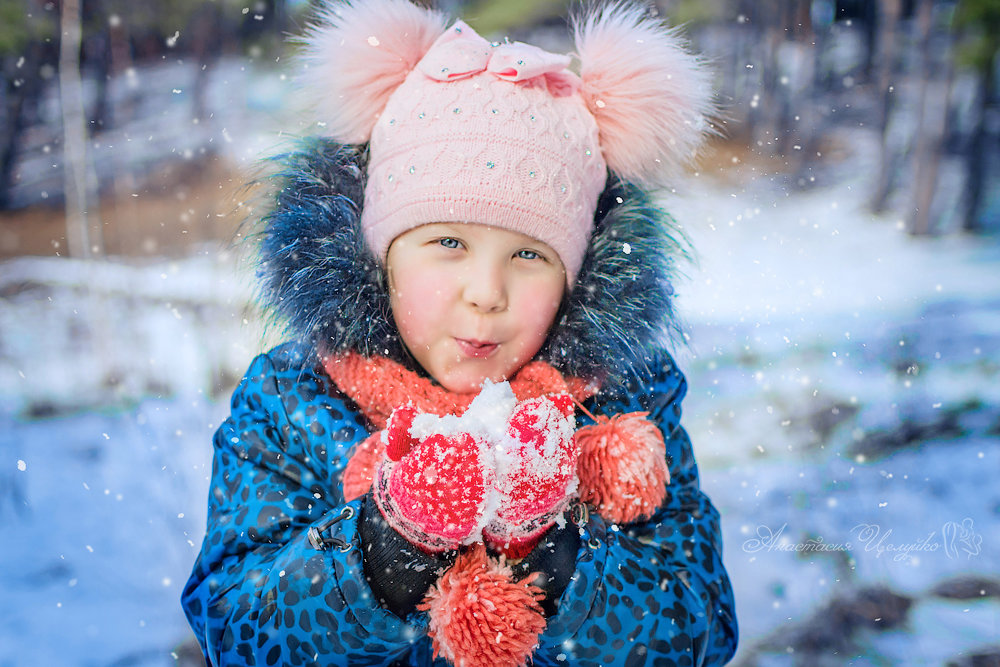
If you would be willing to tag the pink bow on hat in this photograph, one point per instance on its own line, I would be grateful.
(460, 52)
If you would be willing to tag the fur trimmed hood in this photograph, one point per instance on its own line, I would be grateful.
(319, 280)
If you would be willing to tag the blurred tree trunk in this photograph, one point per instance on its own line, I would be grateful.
(74, 132)
(767, 109)
(976, 154)
(803, 118)
(22, 88)
(871, 40)
(206, 46)
(748, 72)
(790, 60)
(821, 18)
(932, 114)
(888, 158)
(97, 54)
(978, 23)
(124, 179)
(739, 79)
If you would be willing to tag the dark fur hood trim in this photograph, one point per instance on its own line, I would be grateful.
(318, 278)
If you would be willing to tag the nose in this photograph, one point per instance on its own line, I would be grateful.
(486, 289)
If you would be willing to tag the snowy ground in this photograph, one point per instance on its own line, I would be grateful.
(845, 413)
(842, 402)
(113, 379)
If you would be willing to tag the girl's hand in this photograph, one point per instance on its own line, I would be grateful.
(535, 473)
(433, 490)
(473, 478)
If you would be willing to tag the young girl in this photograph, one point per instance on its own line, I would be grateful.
(471, 452)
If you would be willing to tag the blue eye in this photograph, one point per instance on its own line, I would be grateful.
(449, 243)
(528, 254)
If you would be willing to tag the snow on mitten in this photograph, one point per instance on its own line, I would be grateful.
(432, 489)
(536, 473)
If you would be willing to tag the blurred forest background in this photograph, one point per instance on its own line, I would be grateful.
(128, 101)
(850, 205)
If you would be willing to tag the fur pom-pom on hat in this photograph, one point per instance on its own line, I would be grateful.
(357, 54)
(649, 95)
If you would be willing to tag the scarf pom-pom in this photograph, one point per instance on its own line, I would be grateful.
(479, 616)
(622, 466)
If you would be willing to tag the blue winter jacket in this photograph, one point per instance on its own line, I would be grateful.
(262, 593)
(280, 579)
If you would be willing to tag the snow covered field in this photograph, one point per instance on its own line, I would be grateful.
(846, 416)
(843, 404)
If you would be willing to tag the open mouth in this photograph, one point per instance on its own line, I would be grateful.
(476, 348)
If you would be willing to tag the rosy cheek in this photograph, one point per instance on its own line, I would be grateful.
(536, 323)
(416, 309)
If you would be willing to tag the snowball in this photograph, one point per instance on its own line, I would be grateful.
(486, 417)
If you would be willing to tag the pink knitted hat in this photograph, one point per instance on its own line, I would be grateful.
(503, 134)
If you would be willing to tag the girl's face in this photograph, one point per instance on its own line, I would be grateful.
(473, 302)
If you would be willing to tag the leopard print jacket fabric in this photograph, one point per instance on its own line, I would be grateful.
(280, 579)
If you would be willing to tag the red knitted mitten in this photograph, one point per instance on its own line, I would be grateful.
(432, 490)
(536, 473)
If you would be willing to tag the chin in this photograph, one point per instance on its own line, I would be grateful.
(469, 381)
(462, 385)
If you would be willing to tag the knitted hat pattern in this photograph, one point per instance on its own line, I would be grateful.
(488, 133)
(504, 134)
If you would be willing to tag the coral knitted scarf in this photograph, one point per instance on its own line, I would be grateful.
(379, 385)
